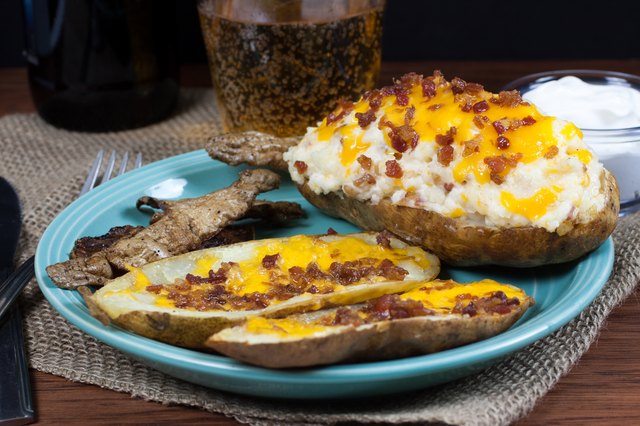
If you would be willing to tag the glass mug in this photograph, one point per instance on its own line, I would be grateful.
(279, 66)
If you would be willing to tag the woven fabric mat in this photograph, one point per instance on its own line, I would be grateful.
(48, 166)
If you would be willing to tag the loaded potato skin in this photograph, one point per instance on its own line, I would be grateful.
(434, 316)
(461, 244)
(475, 177)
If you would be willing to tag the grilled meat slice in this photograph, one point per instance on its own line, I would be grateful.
(183, 226)
(87, 246)
(253, 148)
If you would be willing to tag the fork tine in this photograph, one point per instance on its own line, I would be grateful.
(138, 162)
(90, 182)
(110, 165)
(123, 165)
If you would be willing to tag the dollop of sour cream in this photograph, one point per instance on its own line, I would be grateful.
(170, 188)
(588, 106)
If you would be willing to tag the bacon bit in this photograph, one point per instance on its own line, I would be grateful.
(513, 159)
(473, 88)
(458, 85)
(448, 186)
(409, 114)
(374, 97)
(466, 107)
(481, 120)
(345, 316)
(551, 152)
(469, 309)
(510, 99)
(331, 231)
(384, 239)
(393, 169)
(391, 271)
(391, 306)
(502, 143)
(397, 156)
(366, 118)
(409, 80)
(501, 125)
(344, 108)
(270, 260)
(300, 166)
(365, 179)
(470, 147)
(428, 88)
(365, 162)
(435, 107)
(403, 137)
(154, 288)
(480, 107)
(447, 138)
(497, 164)
(445, 155)
(528, 121)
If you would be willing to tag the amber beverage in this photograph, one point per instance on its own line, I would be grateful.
(279, 66)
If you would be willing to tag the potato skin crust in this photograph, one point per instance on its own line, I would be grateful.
(460, 244)
(372, 342)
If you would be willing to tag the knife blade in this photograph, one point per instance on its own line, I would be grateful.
(16, 406)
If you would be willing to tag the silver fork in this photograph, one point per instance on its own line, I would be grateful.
(15, 283)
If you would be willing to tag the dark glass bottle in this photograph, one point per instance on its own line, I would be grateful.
(101, 65)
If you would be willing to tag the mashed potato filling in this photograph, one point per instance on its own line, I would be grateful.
(455, 149)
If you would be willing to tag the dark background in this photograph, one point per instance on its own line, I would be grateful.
(447, 29)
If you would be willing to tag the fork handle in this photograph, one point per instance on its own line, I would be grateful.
(13, 285)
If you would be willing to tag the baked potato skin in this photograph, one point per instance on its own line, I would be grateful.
(371, 342)
(459, 244)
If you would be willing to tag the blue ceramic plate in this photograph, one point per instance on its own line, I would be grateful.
(561, 292)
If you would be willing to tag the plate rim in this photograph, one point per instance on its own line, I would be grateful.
(483, 351)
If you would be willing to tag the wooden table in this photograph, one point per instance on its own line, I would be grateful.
(604, 388)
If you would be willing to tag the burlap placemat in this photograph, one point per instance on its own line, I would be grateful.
(48, 166)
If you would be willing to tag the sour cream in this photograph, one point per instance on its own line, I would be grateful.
(170, 188)
(588, 106)
(598, 109)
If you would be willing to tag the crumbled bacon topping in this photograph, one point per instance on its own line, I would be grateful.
(458, 85)
(481, 120)
(344, 108)
(502, 142)
(447, 138)
(480, 107)
(445, 155)
(528, 121)
(510, 99)
(448, 186)
(365, 162)
(270, 261)
(470, 147)
(393, 169)
(300, 166)
(365, 118)
(435, 107)
(331, 231)
(384, 239)
(552, 151)
(365, 179)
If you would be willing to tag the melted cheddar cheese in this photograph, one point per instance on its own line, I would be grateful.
(248, 275)
(438, 297)
(499, 145)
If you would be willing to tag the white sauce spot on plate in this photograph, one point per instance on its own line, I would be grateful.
(170, 188)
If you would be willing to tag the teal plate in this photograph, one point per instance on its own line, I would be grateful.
(561, 292)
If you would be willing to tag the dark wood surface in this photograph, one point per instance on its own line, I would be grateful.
(603, 388)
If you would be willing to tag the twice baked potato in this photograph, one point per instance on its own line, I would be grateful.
(184, 299)
(435, 316)
(475, 177)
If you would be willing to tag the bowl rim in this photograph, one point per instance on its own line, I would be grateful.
(583, 72)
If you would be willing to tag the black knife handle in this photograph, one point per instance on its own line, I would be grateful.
(16, 406)
(13, 285)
